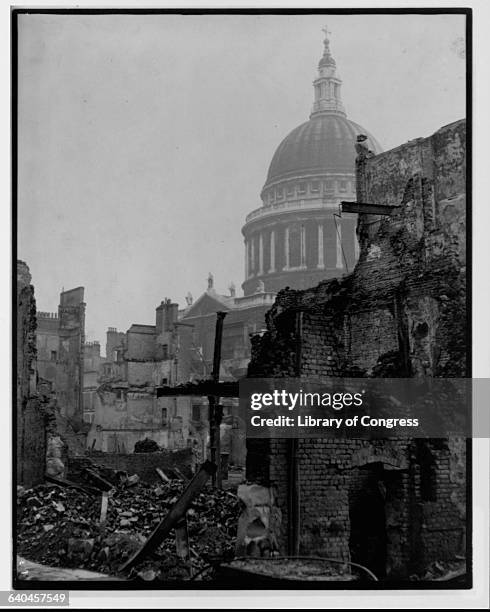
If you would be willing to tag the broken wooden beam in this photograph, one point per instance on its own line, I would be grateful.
(176, 513)
(180, 475)
(201, 389)
(61, 482)
(98, 480)
(368, 209)
(103, 508)
(161, 474)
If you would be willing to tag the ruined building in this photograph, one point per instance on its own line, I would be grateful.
(60, 341)
(49, 382)
(30, 417)
(294, 239)
(123, 408)
(392, 505)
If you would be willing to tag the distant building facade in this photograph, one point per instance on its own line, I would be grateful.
(92, 363)
(178, 348)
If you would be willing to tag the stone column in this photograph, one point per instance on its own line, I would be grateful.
(273, 251)
(246, 258)
(261, 254)
(321, 260)
(286, 248)
(340, 260)
(302, 246)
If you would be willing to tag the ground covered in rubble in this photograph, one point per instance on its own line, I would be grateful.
(61, 527)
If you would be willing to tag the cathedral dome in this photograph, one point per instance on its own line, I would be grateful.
(297, 238)
(324, 144)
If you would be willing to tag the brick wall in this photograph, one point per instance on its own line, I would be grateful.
(402, 312)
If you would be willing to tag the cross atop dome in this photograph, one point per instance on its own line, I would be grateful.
(327, 84)
(327, 32)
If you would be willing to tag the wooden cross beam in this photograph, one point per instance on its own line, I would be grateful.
(201, 389)
(369, 209)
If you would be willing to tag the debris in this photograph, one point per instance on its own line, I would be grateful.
(442, 571)
(177, 511)
(61, 482)
(55, 467)
(259, 523)
(292, 568)
(211, 518)
(147, 575)
(27, 570)
(132, 480)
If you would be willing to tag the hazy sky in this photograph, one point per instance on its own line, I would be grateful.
(145, 140)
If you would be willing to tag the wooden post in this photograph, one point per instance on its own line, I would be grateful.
(214, 411)
(163, 477)
(103, 508)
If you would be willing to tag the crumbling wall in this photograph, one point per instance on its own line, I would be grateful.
(143, 464)
(124, 415)
(30, 420)
(401, 313)
(69, 387)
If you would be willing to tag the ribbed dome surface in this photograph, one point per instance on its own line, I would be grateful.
(325, 143)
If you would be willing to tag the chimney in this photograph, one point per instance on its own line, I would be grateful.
(166, 316)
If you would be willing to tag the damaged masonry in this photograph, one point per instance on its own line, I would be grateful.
(394, 506)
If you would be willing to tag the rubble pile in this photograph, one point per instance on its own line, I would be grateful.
(443, 570)
(61, 527)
